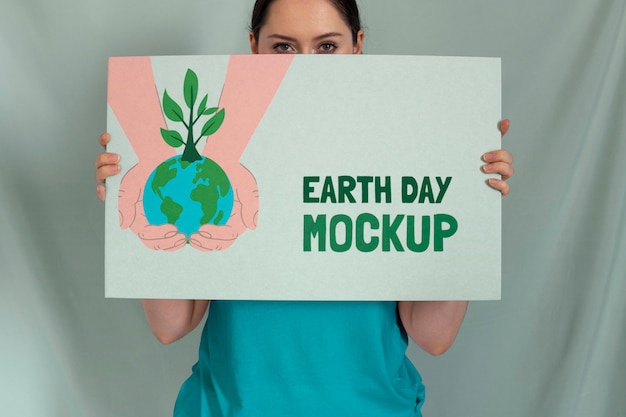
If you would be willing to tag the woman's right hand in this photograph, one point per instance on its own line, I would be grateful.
(107, 164)
(164, 237)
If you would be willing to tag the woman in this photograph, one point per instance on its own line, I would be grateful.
(306, 358)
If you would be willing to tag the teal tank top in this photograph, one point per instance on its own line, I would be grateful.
(304, 359)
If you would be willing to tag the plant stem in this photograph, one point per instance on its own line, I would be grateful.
(190, 154)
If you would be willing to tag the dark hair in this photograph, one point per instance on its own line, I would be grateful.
(348, 10)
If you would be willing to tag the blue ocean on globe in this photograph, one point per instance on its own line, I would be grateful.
(188, 194)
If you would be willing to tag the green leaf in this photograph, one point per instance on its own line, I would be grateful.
(171, 109)
(213, 124)
(202, 105)
(209, 111)
(172, 138)
(191, 88)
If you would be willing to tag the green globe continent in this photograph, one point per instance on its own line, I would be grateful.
(188, 194)
(163, 174)
(210, 195)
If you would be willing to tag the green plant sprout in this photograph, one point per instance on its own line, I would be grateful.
(188, 190)
(174, 112)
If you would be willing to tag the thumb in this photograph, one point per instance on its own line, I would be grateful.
(248, 196)
(128, 197)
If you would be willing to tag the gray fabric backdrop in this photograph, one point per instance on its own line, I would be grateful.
(554, 346)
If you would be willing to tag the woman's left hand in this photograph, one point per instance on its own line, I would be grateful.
(499, 162)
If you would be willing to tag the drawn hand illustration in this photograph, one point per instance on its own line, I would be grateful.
(243, 216)
(164, 237)
(247, 95)
(226, 191)
(132, 77)
(131, 214)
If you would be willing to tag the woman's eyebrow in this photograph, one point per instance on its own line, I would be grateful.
(289, 38)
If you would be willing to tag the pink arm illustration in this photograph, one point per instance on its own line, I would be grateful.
(134, 100)
(251, 83)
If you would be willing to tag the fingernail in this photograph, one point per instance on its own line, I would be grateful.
(488, 168)
(493, 182)
(170, 234)
(488, 157)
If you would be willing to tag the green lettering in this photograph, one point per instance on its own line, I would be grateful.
(440, 232)
(365, 182)
(361, 244)
(390, 233)
(334, 222)
(312, 229)
(426, 191)
(346, 186)
(443, 187)
(328, 192)
(411, 244)
(409, 189)
(307, 189)
(381, 189)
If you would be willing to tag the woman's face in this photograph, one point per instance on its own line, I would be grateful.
(305, 27)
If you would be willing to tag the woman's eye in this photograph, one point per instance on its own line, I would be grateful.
(327, 48)
(283, 48)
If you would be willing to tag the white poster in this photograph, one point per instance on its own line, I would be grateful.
(303, 178)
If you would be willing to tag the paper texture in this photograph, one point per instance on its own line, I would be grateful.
(362, 174)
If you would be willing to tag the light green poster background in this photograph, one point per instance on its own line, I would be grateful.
(389, 122)
(554, 345)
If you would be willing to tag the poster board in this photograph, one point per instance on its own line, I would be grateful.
(347, 178)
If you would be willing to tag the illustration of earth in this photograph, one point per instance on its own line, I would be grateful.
(188, 194)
